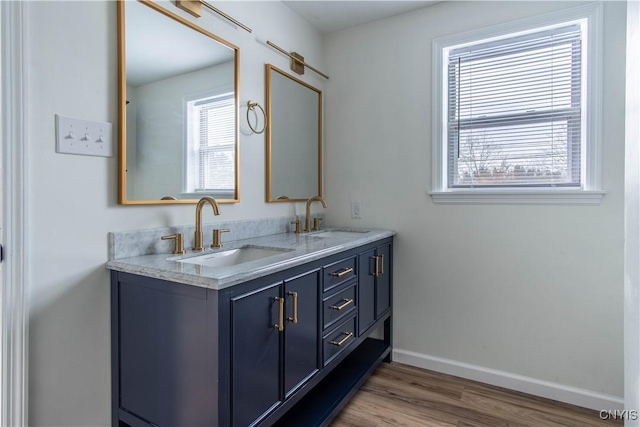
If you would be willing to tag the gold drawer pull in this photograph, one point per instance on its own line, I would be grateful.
(280, 325)
(376, 266)
(343, 272)
(343, 340)
(294, 319)
(346, 302)
(381, 265)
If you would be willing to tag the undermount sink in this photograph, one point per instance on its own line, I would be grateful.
(340, 233)
(232, 257)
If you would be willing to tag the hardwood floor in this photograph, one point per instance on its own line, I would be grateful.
(398, 395)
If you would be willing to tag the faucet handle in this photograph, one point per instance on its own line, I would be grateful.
(178, 247)
(216, 237)
(316, 224)
(298, 227)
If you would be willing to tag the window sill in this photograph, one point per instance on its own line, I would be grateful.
(518, 197)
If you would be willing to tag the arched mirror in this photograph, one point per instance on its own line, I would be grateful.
(294, 138)
(178, 112)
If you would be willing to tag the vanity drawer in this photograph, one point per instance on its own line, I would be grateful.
(338, 305)
(338, 340)
(339, 272)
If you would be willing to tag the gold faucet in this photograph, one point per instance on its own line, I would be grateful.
(197, 238)
(307, 220)
(178, 246)
(217, 239)
(296, 222)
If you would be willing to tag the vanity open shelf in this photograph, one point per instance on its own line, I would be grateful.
(324, 402)
(286, 348)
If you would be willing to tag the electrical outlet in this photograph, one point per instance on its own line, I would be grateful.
(76, 136)
(356, 211)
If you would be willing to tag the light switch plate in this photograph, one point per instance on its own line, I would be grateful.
(83, 137)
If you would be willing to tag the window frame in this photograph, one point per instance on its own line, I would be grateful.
(221, 94)
(590, 191)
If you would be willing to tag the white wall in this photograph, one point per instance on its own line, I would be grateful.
(532, 291)
(71, 53)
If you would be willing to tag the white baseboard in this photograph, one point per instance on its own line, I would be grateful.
(559, 392)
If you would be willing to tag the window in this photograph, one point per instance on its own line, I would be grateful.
(210, 166)
(515, 112)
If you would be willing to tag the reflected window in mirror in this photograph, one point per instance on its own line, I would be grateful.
(211, 146)
(294, 138)
(178, 109)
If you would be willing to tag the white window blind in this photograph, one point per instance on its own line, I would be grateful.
(514, 112)
(211, 157)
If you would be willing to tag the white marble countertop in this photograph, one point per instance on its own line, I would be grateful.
(300, 249)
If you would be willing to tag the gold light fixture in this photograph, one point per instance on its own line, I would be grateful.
(194, 7)
(297, 61)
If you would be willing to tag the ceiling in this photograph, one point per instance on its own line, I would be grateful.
(334, 15)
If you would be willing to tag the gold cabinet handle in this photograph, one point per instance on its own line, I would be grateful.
(280, 325)
(345, 303)
(376, 269)
(294, 319)
(343, 340)
(343, 272)
(381, 271)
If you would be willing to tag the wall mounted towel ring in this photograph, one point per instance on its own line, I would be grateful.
(251, 106)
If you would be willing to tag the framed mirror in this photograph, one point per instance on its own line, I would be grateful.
(178, 109)
(294, 138)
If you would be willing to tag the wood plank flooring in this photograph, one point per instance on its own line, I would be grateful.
(398, 395)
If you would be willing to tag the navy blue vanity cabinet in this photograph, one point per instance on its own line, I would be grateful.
(374, 285)
(288, 349)
(274, 345)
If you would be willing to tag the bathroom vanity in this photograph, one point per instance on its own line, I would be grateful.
(282, 335)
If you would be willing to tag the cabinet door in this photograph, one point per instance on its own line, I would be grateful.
(255, 358)
(366, 290)
(383, 279)
(301, 333)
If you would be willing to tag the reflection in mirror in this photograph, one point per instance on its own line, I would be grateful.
(294, 138)
(178, 109)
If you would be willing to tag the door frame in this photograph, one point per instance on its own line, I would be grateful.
(15, 272)
(632, 220)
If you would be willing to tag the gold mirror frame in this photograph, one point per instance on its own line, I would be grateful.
(269, 137)
(122, 113)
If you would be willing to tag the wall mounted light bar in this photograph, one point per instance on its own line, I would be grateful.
(297, 61)
(194, 7)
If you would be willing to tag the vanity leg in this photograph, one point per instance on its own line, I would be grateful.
(115, 351)
(388, 337)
